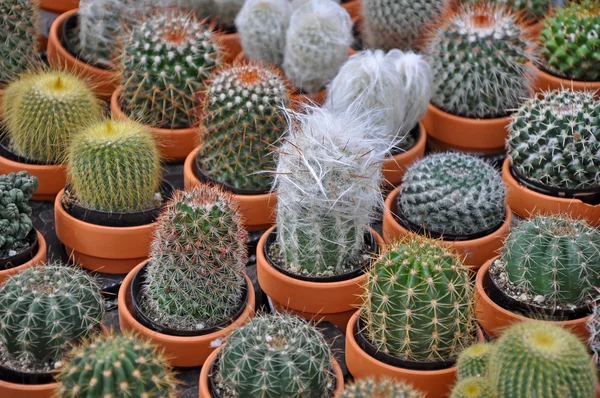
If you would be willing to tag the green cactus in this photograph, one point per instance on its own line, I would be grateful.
(478, 55)
(570, 41)
(539, 359)
(43, 309)
(116, 365)
(474, 361)
(277, 356)
(534, 10)
(382, 388)
(164, 62)
(473, 387)
(15, 223)
(453, 194)
(114, 166)
(418, 302)
(43, 111)
(197, 260)
(554, 140)
(593, 326)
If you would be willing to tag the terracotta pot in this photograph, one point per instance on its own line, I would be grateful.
(524, 202)
(232, 45)
(38, 258)
(354, 8)
(395, 166)
(545, 81)
(476, 251)
(182, 351)
(51, 178)
(447, 132)
(329, 301)
(59, 6)
(434, 383)
(495, 319)
(13, 390)
(204, 383)
(258, 210)
(112, 250)
(174, 144)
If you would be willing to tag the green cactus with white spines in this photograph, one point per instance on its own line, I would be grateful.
(380, 388)
(535, 10)
(116, 365)
(478, 55)
(554, 140)
(474, 361)
(277, 356)
(16, 189)
(197, 260)
(242, 119)
(453, 194)
(43, 111)
(43, 309)
(164, 62)
(570, 41)
(473, 387)
(418, 302)
(114, 166)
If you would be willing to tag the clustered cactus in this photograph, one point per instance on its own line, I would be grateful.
(478, 55)
(452, 194)
(383, 387)
(197, 260)
(534, 10)
(555, 139)
(18, 32)
(16, 189)
(242, 119)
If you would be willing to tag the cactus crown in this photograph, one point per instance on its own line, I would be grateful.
(198, 257)
(478, 55)
(554, 140)
(15, 223)
(474, 361)
(382, 388)
(473, 387)
(278, 355)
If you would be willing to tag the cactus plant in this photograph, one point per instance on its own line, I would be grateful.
(473, 387)
(277, 356)
(534, 10)
(418, 302)
(164, 62)
(116, 365)
(197, 260)
(384, 388)
(16, 189)
(593, 326)
(478, 55)
(452, 194)
(474, 361)
(242, 119)
(554, 140)
(45, 308)
(43, 111)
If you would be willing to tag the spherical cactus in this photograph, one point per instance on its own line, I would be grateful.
(534, 10)
(478, 55)
(15, 223)
(539, 359)
(555, 140)
(317, 43)
(242, 119)
(452, 194)
(474, 361)
(570, 41)
(473, 387)
(197, 260)
(277, 356)
(45, 308)
(114, 166)
(418, 302)
(43, 111)
(382, 388)
(555, 257)
(116, 365)
(164, 62)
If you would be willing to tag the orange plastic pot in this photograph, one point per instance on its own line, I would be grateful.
(545, 82)
(102, 81)
(58, 6)
(181, 351)
(13, 390)
(258, 210)
(434, 383)
(525, 202)
(174, 144)
(329, 301)
(113, 250)
(51, 178)
(395, 166)
(495, 319)
(450, 132)
(354, 8)
(37, 259)
(476, 251)
(232, 45)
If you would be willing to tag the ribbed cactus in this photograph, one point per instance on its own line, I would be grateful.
(555, 257)
(242, 119)
(197, 260)
(555, 140)
(593, 326)
(534, 10)
(43, 111)
(452, 194)
(45, 308)
(275, 356)
(116, 365)
(478, 55)
(539, 359)
(18, 30)
(164, 62)
(418, 302)
(473, 387)
(15, 192)
(317, 43)
(570, 41)
(474, 361)
(381, 388)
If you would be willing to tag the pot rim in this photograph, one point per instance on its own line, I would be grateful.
(38, 258)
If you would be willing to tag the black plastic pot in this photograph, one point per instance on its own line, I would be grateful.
(23, 256)
(9, 154)
(17, 377)
(70, 25)
(203, 177)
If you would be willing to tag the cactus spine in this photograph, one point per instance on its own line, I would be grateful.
(474, 361)
(384, 388)
(15, 223)
(535, 10)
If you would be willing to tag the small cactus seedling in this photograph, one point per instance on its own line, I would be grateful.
(474, 361)
(381, 388)
(473, 387)
(16, 189)
(535, 10)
